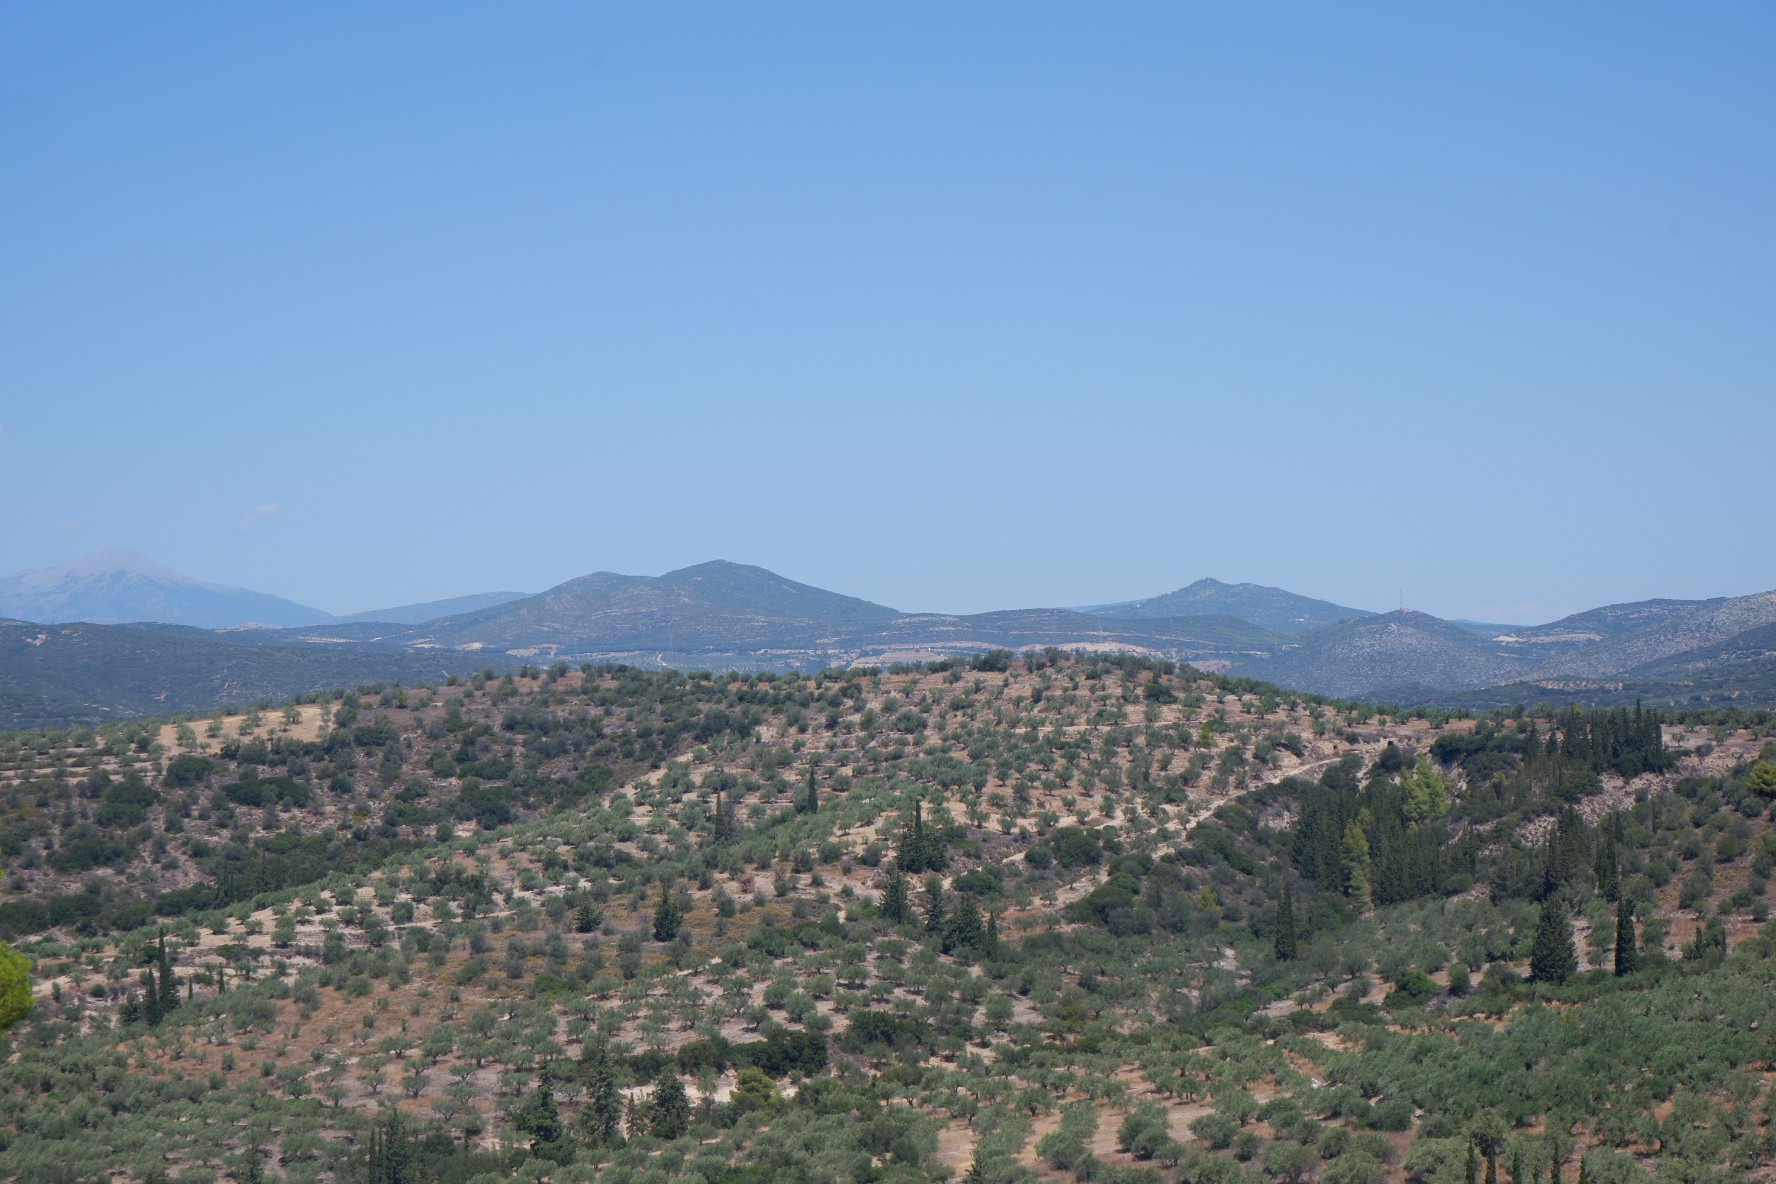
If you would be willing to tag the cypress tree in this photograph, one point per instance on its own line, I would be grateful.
(895, 905)
(1553, 959)
(169, 985)
(1609, 875)
(1492, 1169)
(1517, 1166)
(935, 909)
(810, 803)
(539, 1118)
(668, 917)
(963, 928)
(1627, 955)
(724, 818)
(602, 1120)
(1471, 1169)
(920, 850)
(1356, 864)
(151, 1009)
(670, 1113)
(1285, 936)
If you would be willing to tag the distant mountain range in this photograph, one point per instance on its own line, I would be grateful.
(431, 610)
(1269, 608)
(721, 615)
(113, 586)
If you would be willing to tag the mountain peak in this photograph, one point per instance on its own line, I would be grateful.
(114, 585)
(1272, 608)
(106, 561)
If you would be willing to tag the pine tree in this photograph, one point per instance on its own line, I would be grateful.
(1627, 953)
(670, 1114)
(1285, 936)
(896, 906)
(1552, 959)
(977, 1172)
(586, 917)
(130, 1012)
(668, 916)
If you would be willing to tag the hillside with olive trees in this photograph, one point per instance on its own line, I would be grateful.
(1018, 918)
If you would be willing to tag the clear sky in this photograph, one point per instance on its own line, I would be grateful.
(951, 306)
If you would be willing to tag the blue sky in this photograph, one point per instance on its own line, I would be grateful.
(954, 307)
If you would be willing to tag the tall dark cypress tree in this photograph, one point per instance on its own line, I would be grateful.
(963, 928)
(1609, 875)
(601, 1122)
(896, 907)
(670, 1113)
(725, 827)
(810, 803)
(152, 1012)
(936, 908)
(169, 986)
(1552, 959)
(1285, 936)
(1627, 950)
(920, 850)
(668, 917)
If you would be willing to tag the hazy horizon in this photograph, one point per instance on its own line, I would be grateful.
(1486, 616)
(948, 308)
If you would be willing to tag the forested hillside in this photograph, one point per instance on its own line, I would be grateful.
(1006, 918)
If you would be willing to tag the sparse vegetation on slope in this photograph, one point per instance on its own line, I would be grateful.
(1021, 917)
